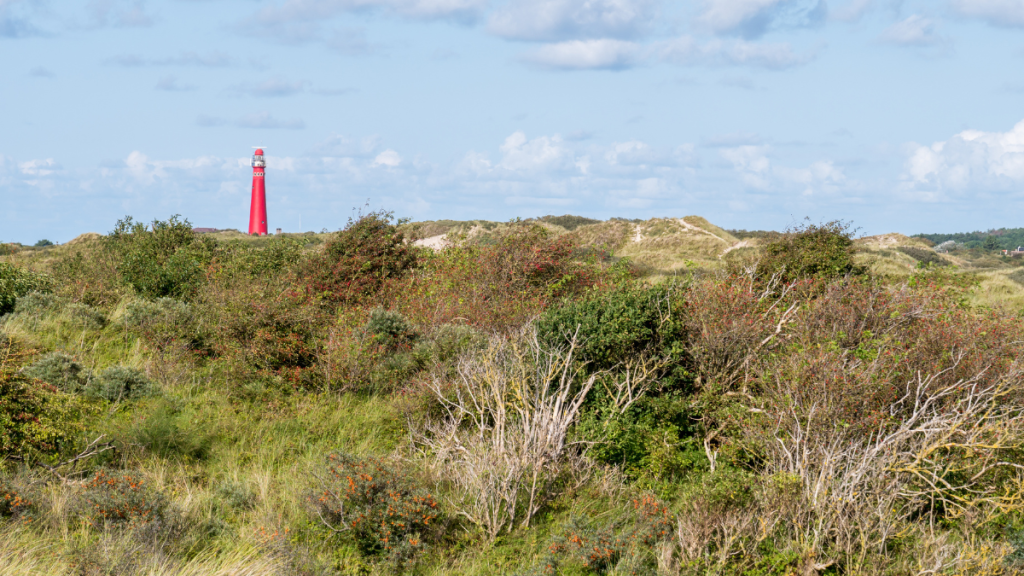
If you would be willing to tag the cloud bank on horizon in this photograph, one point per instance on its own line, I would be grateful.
(897, 114)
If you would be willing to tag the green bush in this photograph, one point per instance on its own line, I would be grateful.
(121, 383)
(17, 282)
(36, 421)
(35, 303)
(162, 259)
(389, 328)
(811, 251)
(269, 257)
(356, 261)
(60, 370)
(376, 507)
(43, 243)
(167, 431)
(656, 439)
(619, 325)
(85, 315)
(147, 313)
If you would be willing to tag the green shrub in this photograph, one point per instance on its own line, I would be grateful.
(376, 507)
(43, 243)
(121, 498)
(167, 431)
(617, 326)
(35, 420)
(236, 495)
(569, 222)
(268, 258)
(36, 303)
(162, 259)
(656, 439)
(85, 315)
(17, 282)
(356, 261)
(389, 328)
(121, 383)
(811, 251)
(165, 322)
(60, 370)
(146, 313)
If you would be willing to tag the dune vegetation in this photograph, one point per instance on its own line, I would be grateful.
(558, 396)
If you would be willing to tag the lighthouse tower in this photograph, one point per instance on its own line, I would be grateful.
(258, 208)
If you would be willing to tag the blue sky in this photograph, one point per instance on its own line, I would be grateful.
(900, 115)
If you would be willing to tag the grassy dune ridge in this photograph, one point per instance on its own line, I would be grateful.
(550, 396)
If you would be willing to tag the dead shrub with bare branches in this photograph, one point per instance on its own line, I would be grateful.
(503, 441)
(940, 450)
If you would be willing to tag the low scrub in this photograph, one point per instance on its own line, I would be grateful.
(368, 502)
(121, 383)
(121, 499)
(810, 251)
(36, 421)
(60, 370)
(356, 262)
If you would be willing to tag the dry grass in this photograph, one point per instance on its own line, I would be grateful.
(998, 291)
(703, 224)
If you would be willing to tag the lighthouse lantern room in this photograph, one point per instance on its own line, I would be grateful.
(258, 207)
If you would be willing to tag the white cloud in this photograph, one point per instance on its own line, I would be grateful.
(605, 54)
(971, 160)
(687, 51)
(542, 154)
(757, 171)
(1003, 13)
(916, 30)
(552, 20)
(752, 18)
(388, 158)
(39, 167)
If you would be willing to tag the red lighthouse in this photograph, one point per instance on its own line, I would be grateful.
(258, 208)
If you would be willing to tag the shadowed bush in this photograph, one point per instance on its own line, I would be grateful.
(16, 282)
